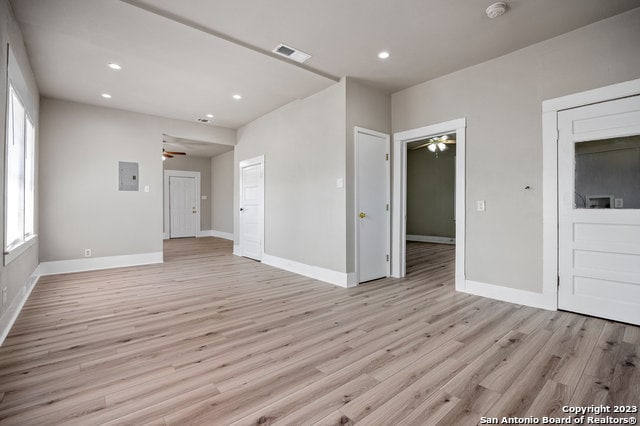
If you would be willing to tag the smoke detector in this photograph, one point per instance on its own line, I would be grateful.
(496, 9)
(291, 53)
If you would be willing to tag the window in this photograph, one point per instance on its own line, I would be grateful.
(20, 175)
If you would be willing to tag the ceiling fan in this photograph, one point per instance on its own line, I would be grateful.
(438, 143)
(171, 154)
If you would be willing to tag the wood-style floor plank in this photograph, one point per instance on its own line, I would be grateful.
(212, 338)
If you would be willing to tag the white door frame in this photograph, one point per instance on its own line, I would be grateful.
(399, 204)
(245, 163)
(387, 138)
(167, 209)
(550, 109)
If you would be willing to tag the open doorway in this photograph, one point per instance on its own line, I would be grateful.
(436, 140)
(431, 222)
(198, 188)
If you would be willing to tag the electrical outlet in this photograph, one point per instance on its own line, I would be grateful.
(87, 252)
(4, 296)
(481, 205)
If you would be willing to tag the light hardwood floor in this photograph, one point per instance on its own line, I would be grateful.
(211, 338)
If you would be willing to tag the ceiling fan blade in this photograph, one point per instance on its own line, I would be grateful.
(176, 153)
(448, 141)
(164, 154)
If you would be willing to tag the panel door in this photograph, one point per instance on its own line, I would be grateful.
(599, 210)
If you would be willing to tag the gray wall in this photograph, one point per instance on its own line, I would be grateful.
(304, 147)
(222, 190)
(14, 275)
(371, 109)
(196, 164)
(79, 198)
(502, 101)
(430, 192)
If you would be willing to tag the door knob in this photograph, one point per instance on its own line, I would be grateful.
(362, 215)
(241, 209)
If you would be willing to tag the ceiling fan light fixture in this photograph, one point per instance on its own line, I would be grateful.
(432, 147)
(442, 146)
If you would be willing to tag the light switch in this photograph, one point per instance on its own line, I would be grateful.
(481, 205)
(618, 203)
(340, 183)
(146, 188)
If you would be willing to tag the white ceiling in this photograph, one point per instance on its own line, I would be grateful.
(186, 59)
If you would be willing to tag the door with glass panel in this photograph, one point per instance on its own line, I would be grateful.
(599, 209)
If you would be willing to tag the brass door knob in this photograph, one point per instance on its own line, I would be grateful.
(362, 215)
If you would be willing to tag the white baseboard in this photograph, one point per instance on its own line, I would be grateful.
(94, 263)
(431, 239)
(9, 317)
(341, 279)
(217, 234)
(547, 301)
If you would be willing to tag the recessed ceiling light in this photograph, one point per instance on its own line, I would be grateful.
(209, 115)
(106, 96)
(237, 97)
(114, 66)
(383, 55)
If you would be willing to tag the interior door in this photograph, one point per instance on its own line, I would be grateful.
(372, 205)
(599, 209)
(182, 206)
(252, 208)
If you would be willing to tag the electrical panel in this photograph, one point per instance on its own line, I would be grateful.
(128, 176)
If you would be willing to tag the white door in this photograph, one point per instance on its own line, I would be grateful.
(372, 204)
(182, 206)
(252, 208)
(599, 209)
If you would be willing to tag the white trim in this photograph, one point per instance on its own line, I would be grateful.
(245, 163)
(550, 110)
(512, 295)
(330, 276)
(601, 94)
(217, 234)
(237, 249)
(96, 263)
(16, 251)
(165, 235)
(431, 239)
(167, 209)
(387, 139)
(9, 316)
(399, 204)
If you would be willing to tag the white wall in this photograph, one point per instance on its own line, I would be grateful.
(222, 190)
(79, 198)
(501, 100)
(369, 108)
(16, 274)
(304, 147)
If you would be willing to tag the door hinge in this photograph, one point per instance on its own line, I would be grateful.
(386, 156)
(387, 258)
(558, 281)
(387, 207)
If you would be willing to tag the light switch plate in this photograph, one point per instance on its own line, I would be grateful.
(618, 203)
(339, 183)
(481, 205)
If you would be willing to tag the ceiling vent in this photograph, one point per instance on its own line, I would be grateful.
(291, 53)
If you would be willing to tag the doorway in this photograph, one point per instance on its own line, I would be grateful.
(181, 203)
(251, 218)
(452, 129)
(372, 185)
